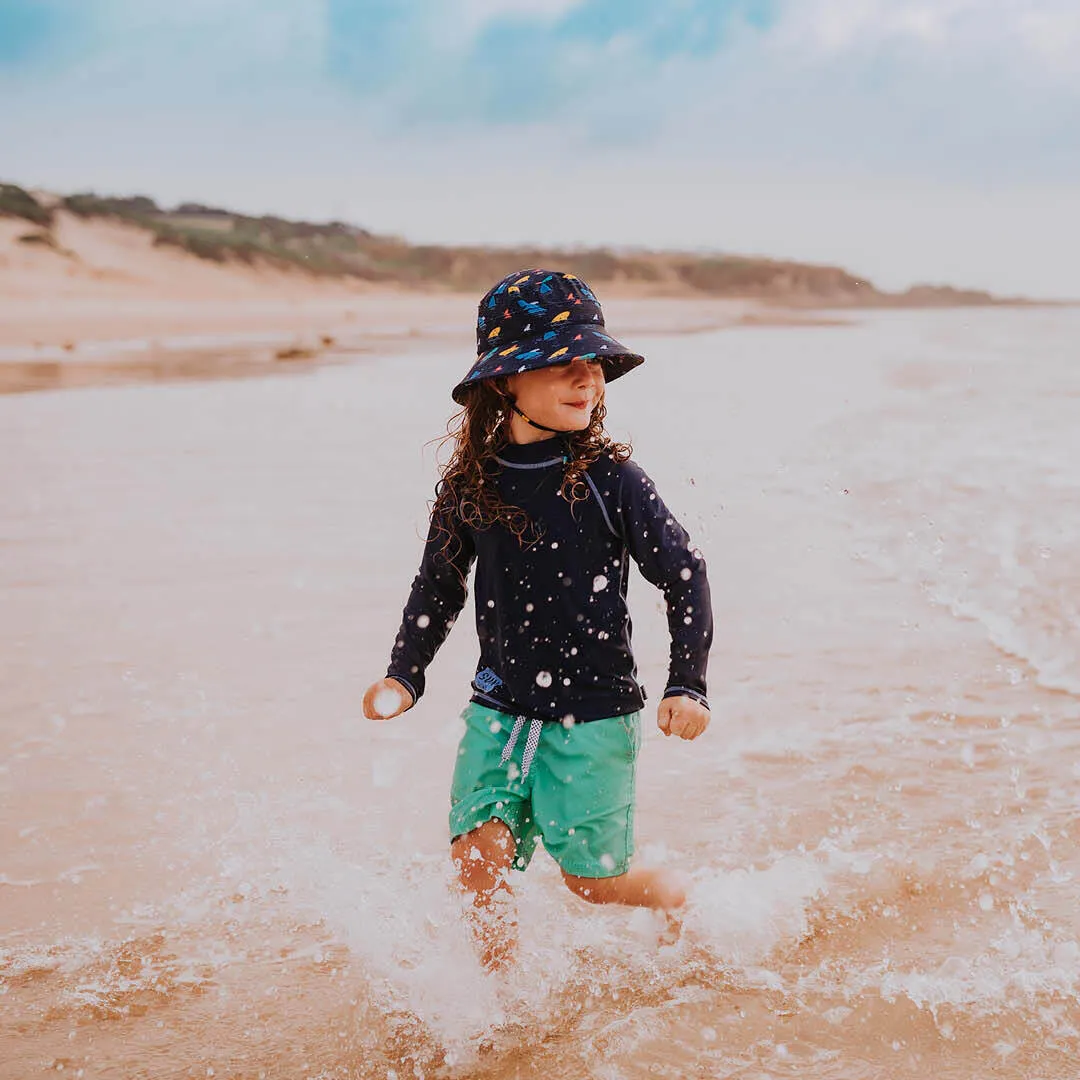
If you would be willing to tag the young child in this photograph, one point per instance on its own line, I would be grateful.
(552, 510)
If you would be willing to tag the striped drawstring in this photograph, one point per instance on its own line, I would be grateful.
(532, 741)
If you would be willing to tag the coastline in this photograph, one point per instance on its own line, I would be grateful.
(108, 342)
(102, 303)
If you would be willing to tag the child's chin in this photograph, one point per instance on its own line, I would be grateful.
(577, 421)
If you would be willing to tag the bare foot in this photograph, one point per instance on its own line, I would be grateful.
(669, 889)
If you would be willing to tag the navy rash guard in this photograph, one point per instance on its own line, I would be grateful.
(551, 616)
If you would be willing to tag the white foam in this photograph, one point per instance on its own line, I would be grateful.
(982, 512)
(742, 915)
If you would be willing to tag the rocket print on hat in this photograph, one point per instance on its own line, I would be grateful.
(542, 317)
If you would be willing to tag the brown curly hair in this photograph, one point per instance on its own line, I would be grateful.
(477, 433)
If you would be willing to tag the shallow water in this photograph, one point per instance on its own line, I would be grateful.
(212, 866)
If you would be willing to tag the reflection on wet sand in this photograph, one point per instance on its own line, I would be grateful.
(142, 362)
(379, 325)
(30, 375)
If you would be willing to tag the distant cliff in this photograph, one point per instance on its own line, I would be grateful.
(339, 250)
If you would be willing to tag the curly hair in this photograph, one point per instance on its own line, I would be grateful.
(466, 490)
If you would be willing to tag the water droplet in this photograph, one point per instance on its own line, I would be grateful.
(599, 583)
(543, 678)
(387, 702)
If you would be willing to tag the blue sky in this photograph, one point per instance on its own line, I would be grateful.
(906, 139)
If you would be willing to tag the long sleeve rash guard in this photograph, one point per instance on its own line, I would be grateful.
(551, 615)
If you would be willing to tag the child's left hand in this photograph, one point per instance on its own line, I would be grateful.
(682, 716)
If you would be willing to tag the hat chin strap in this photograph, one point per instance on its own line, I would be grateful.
(536, 423)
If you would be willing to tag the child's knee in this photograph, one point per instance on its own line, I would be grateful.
(594, 890)
(483, 853)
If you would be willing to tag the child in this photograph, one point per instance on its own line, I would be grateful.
(551, 510)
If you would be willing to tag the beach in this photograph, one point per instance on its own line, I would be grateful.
(100, 303)
(213, 866)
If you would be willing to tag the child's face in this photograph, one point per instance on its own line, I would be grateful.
(562, 396)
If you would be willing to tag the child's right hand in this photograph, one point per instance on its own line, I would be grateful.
(386, 699)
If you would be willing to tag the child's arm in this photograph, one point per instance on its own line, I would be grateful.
(437, 597)
(661, 548)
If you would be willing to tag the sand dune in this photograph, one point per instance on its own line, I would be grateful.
(106, 280)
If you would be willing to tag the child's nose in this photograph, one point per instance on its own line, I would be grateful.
(584, 373)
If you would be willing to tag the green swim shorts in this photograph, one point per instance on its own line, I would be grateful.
(574, 789)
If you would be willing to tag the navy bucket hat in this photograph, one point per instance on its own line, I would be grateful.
(536, 318)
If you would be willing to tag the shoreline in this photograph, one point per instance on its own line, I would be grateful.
(309, 339)
(104, 304)
(82, 342)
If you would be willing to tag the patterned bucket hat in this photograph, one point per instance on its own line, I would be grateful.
(536, 318)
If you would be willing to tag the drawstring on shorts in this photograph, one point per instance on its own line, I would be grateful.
(532, 741)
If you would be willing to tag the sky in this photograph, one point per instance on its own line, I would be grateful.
(907, 140)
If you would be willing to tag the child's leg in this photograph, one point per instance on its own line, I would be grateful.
(482, 857)
(583, 798)
(641, 887)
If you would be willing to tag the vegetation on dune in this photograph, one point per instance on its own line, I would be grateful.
(253, 245)
(137, 208)
(207, 232)
(476, 267)
(19, 203)
(39, 239)
(336, 249)
(339, 250)
(944, 296)
(737, 275)
(201, 209)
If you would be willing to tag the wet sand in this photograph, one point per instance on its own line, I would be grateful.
(213, 866)
(85, 344)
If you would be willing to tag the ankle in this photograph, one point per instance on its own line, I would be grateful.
(670, 889)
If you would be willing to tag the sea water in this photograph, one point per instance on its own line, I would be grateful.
(212, 865)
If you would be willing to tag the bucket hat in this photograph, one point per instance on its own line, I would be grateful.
(537, 318)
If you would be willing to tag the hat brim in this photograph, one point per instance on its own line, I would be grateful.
(554, 347)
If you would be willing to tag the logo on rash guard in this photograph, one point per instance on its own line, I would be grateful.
(487, 680)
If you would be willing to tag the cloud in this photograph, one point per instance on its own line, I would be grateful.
(983, 90)
(1029, 30)
(434, 63)
(847, 130)
(431, 63)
